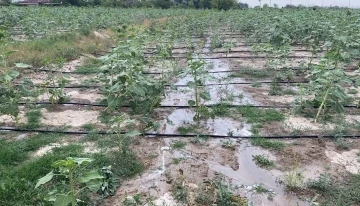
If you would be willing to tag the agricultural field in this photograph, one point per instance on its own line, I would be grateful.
(130, 107)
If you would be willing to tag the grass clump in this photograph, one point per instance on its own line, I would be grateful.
(322, 183)
(69, 46)
(267, 144)
(342, 144)
(256, 115)
(257, 85)
(260, 189)
(252, 73)
(178, 144)
(263, 162)
(91, 65)
(187, 130)
(33, 119)
(13, 153)
(221, 110)
(18, 182)
(338, 193)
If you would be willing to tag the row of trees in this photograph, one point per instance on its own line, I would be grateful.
(197, 4)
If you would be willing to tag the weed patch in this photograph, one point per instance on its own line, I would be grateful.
(263, 162)
(178, 144)
(33, 119)
(267, 144)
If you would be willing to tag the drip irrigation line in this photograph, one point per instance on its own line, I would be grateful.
(236, 57)
(224, 52)
(161, 106)
(210, 72)
(174, 106)
(155, 135)
(201, 85)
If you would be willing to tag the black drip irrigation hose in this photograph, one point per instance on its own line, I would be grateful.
(237, 57)
(209, 72)
(173, 106)
(161, 106)
(202, 85)
(224, 52)
(155, 135)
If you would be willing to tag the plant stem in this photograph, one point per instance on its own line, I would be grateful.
(196, 96)
(322, 104)
(72, 188)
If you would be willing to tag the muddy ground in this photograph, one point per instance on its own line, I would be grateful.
(194, 165)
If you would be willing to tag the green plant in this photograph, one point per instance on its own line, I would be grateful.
(54, 86)
(294, 178)
(256, 115)
(342, 144)
(109, 184)
(322, 183)
(263, 161)
(177, 161)
(33, 119)
(70, 170)
(119, 125)
(261, 189)
(123, 78)
(326, 83)
(257, 85)
(197, 71)
(178, 144)
(228, 144)
(10, 93)
(225, 196)
(268, 144)
(228, 45)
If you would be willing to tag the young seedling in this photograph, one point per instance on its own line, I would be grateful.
(197, 70)
(124, 129)
(72, 170)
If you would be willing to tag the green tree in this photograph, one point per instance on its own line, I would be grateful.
(223, 4)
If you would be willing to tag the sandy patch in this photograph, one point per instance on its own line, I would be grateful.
(44, 150)
(301, 123)
(7, 119)
(71, 66)
(74, 118)
(91, 95)
(166, 199)
(349, 159)
(89, 147)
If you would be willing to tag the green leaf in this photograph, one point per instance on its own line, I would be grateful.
(13, 73)
(63, 200)
(22, 66)
(93, 174)
(133, 133)
(45, 179)
(191, 103)
(94, 185)
(80, 161)
(191, 84)
(137, 90)
(205, 95)
(7, 78)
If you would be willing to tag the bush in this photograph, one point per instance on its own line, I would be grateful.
(164, 4)
(223, 4)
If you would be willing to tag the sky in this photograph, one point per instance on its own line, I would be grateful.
(353, 3)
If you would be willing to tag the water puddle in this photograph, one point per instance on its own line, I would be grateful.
(231, 94)
(249, 175)
(218, 126)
